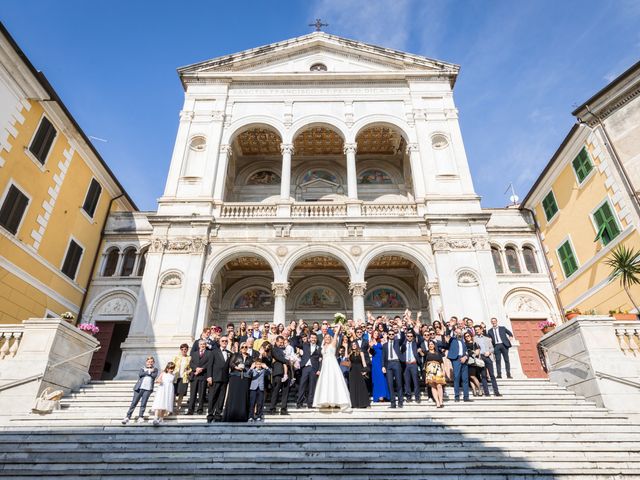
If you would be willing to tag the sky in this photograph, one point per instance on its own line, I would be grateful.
(524, 66)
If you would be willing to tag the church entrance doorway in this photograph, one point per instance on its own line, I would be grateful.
(527, 333)
(105, 362)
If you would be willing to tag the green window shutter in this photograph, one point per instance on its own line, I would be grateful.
(607, 226)
(567, 259)
(582, 165)
(549, 205)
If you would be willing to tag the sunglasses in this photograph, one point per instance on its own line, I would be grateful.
(243, 348)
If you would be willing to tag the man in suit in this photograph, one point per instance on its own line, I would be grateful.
(310, 369)
(486, 351)
(501, 339)
(279, 382)
(392, 368)
(457, 353)
(254, 354)
(412, 362)
(218, 380)
(199, 374)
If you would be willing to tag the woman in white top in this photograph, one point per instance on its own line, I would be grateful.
(331, 389)
(163, 401)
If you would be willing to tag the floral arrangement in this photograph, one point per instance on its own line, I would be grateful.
(573, 310)
(546, 324)
(67, 316)
(340, 318)
(89, 328)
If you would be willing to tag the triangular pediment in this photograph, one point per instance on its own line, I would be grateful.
(338, 54)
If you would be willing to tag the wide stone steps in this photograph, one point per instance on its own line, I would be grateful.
(537, 430)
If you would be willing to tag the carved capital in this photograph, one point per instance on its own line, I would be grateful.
(186, 115)
(206, 289)
(481, 243)
(350, 148)
(280, 289)
(412, 147)
(357, 289)
(432, 288)
(439, 243)
(286, 148)
(225, 149)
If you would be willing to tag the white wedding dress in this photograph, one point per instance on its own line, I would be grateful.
(331, 388)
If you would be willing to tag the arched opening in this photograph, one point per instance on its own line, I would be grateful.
(395, 283)
(241, 292)
(142, 262)
(512, 259)
(254, 167)
(383, 164)
(497, 259)
(530, 259)
(111, 263)
(128, 262)
(318, 289)
(318, 168)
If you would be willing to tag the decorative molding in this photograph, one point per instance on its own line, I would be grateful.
(282, 230)
(226, 149)
(350, 148)
(355, 230)
(356, 251)
(282, 251)
(280, 289)
(524, 303)
(157, 245)
(286, 148)
(195, 245)
(357, 289)
(186, 115)
(466, 278)
(444, 243)
(206, 289)
(171, 280)
(481, 243)
(116, 306)
(431, 289)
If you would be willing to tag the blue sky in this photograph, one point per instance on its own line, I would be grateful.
(525, 65)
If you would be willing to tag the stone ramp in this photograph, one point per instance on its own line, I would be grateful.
(537, 430)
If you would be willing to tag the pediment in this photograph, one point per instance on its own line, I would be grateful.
(319, 183)
(339, 54)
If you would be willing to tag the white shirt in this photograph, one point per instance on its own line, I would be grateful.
(496, 334)
(147, 381)
(392, 353)
(312, 348)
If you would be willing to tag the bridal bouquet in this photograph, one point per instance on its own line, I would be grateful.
(339, 318)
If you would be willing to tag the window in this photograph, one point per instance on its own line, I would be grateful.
(142, 263)
(111, 263)
(41, 143)
(91, 200)
(72, 260)
(549, 205)
(606, 222)
(128, 262)
(512, 259)
(497, 260)
(530, 260)
(567, 259)
(318, 67)
(582, 165)
(13, 208)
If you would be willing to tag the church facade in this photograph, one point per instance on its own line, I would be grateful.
(313, 176)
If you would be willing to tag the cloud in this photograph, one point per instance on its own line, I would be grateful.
(383, 22)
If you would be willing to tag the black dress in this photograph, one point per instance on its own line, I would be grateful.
(473, 370)
(357, 383)
(236, 408)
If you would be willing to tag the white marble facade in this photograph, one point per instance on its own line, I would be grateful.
(311, 176)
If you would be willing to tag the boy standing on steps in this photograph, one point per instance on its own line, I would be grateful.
(142, 390)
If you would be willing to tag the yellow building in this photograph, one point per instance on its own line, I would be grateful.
(55, 194)
(585, 202)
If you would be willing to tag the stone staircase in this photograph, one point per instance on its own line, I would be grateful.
(537, 430)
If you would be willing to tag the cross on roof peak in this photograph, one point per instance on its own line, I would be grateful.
(318, 25)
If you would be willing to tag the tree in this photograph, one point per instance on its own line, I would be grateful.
(625, 264)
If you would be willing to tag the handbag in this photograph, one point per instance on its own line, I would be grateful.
(479, 362)
(48, 401)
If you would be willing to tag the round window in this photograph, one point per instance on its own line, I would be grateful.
(318, 67)
(439, 141)
(198, 144)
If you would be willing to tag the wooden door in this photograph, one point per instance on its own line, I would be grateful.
(528, 334)
(100, 357)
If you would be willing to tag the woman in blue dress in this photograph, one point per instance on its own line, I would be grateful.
(380, 388)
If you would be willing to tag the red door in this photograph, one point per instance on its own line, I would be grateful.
(100, 357)
(528, 334)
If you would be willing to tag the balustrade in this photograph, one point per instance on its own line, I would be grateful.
(10, 336)
(389, 210)
(628, 335)
(312, 210)
(248, 210)
(317, 210)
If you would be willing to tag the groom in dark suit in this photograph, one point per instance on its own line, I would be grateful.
(501, 339)
(278, 382)
(218, 379)
(392, 368)
(457, 353)
(310, 367)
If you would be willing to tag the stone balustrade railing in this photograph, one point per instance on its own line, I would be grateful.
(389, 210)
(316, 209)
(10, 337)
(248, 210)
(628, 335)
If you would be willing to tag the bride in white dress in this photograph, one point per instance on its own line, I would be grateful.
(331, 388)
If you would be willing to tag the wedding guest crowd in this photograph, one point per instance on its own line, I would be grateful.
(382, 359)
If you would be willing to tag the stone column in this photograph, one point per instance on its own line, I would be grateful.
(432, 290)
(280, 304)
(416, 171)
(358, 290)
(352, 180)
(285, 177)
(221, 176)
(206, 290)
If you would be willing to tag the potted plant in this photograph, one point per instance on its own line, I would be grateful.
(89, 328)
(546, 326)
(574, 312)
(625, 265)
(622, 315)
(68, 316)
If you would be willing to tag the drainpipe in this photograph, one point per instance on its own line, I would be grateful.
(95, 257)
(616, 159)
(556, 293)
